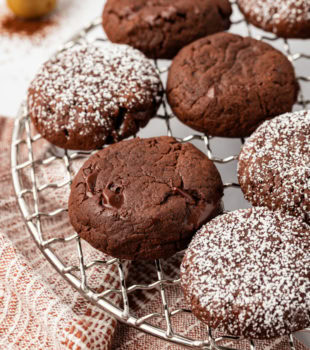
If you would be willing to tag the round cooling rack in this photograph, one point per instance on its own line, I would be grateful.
(27, 156)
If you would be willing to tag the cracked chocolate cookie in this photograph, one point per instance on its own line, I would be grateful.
(274, 165)
(144, 198)
(160, 28)
(91, 95)
(285, 18)
(226, 85)
(247, 273)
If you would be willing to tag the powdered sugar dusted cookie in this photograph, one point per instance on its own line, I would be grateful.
(274, 164)
(247, 273)
(285, 18)
(89, 95)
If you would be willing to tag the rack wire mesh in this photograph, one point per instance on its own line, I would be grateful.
(32, 212)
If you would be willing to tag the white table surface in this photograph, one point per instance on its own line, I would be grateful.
(20, 58)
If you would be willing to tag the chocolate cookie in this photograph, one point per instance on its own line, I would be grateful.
(285, 18)
(161, 28)
(274, 165)
(247, 273)
(226, 85)
(144, 198)
(88, 96)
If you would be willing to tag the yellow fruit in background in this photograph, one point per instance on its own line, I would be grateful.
(31, 8)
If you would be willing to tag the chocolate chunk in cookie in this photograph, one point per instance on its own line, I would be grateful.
(144, 198)
(226, 85)
(161, 28)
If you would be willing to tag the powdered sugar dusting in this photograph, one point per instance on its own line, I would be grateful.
(274, 164)
(86, 86)
(273, 12)
(247, 272)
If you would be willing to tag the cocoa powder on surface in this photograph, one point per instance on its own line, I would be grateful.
(11, 25)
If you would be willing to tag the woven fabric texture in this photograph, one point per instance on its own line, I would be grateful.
(40, 310)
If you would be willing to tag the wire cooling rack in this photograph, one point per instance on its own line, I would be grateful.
(28, 195)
